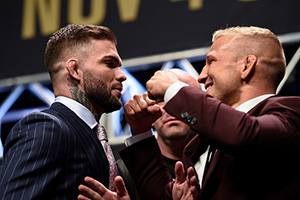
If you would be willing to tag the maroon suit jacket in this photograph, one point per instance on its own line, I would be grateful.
(258, 154)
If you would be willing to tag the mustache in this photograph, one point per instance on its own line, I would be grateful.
(118, 86)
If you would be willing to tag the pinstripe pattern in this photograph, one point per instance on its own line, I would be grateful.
(46, 157)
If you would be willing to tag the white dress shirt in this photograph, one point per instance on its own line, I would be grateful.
(80, 110)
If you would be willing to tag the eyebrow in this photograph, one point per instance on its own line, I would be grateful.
(115, 59)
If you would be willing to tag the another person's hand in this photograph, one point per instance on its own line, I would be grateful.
(100, 192)
(159, 83)
(140, 113)
(162, 80)
(185, 188)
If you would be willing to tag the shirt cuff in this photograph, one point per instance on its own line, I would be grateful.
(136, 138)
(173, 89)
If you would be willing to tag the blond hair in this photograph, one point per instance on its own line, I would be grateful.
(260, 42)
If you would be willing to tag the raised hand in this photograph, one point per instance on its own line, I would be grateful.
(162, 80)
(140, 113)
(100, 192)
(185, 187)
(159, 83)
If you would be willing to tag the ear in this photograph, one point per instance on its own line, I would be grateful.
(249, 66)
(72, 67)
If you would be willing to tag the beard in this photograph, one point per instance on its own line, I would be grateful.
(99, 94)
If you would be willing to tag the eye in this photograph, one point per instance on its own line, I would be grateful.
(210, 60)
(110, 64)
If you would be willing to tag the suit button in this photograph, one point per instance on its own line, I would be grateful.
(184, 115)
(194, 121)
(189, 119)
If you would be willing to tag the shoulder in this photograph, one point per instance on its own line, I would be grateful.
(41, 120)
(284, 102)
(39, 127)
(286, 108)
(38, 135)
(284, 98)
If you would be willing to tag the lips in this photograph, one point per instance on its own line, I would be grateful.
(118, 89)
(208, 85)
(172, 119)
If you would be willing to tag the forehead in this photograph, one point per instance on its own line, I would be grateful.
(222, 44)
(104, 48)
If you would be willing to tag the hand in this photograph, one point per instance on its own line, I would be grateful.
(101, 192)
(140, 113)
(185, 77)
(185, 187)
(159, 83)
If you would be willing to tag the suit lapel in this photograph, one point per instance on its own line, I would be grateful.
(89, 141)
(193, 151)
(212, 166)
(254, 112)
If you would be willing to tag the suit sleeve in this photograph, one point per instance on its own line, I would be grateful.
(271, 125)
(33, 156)
(145, 163)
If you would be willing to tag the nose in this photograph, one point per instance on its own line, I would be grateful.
(203, 75)
(120, 75)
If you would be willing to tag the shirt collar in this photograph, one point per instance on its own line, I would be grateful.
(81, 111)
(248, 105)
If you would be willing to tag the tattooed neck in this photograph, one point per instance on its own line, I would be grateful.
(79, 96)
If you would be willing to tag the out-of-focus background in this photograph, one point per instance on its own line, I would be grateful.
(152, 35)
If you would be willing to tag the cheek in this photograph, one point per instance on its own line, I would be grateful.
(105, 77)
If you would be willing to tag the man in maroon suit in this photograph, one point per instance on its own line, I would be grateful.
(248, 142)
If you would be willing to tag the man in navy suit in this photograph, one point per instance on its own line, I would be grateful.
(248, 141)
(47, 154)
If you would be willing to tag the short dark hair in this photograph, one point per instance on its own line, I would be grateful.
(72, 36)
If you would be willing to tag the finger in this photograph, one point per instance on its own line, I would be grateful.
(128, 110)
(155, 110)
(150, 95)
(194, 192)
(99, 187)
(179, 172)
(150, 86)
(191, 176)
(149, 101)
(81, 197)
(120, 186)
(133, 108)
(141, 104)
(88, 192)
(190, 172)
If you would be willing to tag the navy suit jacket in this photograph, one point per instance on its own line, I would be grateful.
(48, 154)
(258, 153)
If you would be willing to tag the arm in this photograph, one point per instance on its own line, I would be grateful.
(32, 158)
(273, 123)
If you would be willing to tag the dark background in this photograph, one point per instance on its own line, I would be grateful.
(161, 26)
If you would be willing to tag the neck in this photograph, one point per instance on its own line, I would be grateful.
(167, 148)
(251, 93)
(78, 95)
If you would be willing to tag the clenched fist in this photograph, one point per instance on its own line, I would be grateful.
(140, 113)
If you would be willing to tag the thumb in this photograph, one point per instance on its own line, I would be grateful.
(179, 172)
(120, 186)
